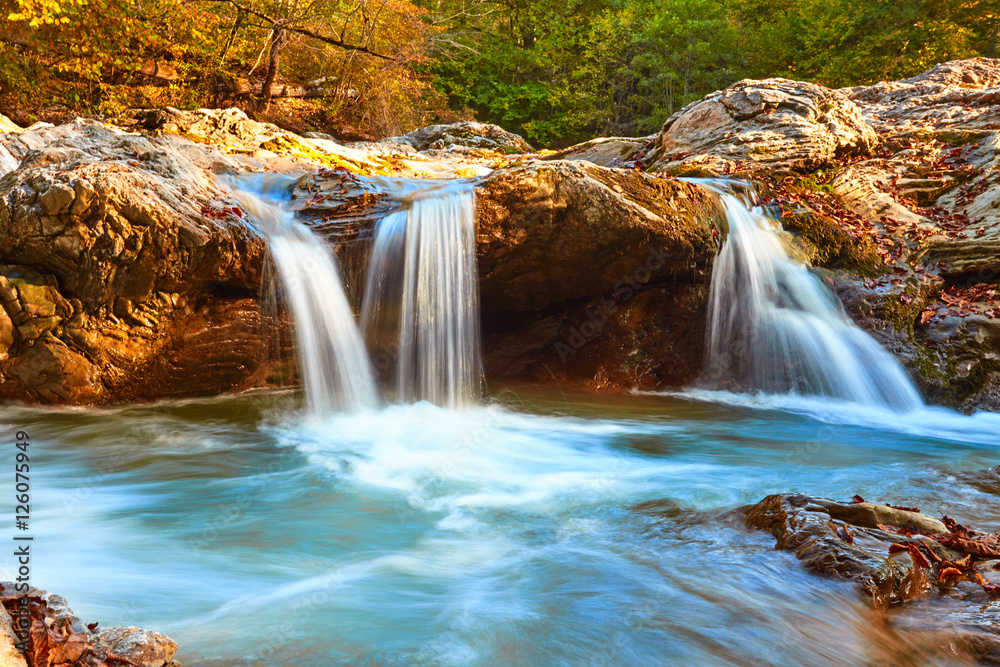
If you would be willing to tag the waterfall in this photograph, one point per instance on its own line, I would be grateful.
(421, 303)
(331, 353)
(775, 327)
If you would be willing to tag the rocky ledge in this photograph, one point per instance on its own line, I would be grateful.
(129, 271)
(55, 636)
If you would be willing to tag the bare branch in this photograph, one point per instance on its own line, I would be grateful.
(284, 23)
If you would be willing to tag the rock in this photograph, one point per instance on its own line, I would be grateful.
(7, 125)
(98, 223)
(9, 655)
(592, 276)
(143, 647)
(606, 151)
(57, 605)
(825, 538)
(467, 134)
(808, 526)
(773, 124)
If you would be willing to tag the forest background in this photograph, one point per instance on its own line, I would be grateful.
(555, 71)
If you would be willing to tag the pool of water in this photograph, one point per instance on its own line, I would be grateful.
(539, 528)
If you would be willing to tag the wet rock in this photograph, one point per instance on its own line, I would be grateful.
(143, 647)
(773, 124)
(892, 566)
(892, 553)
(592, 276)
(803, 525)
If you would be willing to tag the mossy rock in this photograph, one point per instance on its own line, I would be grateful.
(831, 246)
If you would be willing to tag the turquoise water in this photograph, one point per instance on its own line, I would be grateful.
(538, 529)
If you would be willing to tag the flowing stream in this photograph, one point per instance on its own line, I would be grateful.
(529, 527)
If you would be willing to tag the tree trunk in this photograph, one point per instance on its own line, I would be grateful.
(272, 68)
(240, 18)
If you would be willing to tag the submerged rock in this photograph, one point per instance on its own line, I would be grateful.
(896, 557)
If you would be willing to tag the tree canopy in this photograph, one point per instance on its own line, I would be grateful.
(554, 70)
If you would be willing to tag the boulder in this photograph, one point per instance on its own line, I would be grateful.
(129, 271)
(773, 124)
(593, 277)
(606, 151)
(466, 134)
(143, 647)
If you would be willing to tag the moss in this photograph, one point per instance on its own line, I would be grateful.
(960, 137)
(689, 171)
(834, 247)
(813, 183)
(903, 315)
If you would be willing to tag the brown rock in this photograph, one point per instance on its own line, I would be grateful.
(803, 524)
(9, 655)
(591, 276)
(143, 647)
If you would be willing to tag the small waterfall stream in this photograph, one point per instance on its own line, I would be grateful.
(775, 327)
(331, 354)
(421, 302)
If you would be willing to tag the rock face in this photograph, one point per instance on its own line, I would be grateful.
(932, 195)
(910, 172)
(467, 134)
(775, 124)
(126, 274)
(592, 276)
(895, 557)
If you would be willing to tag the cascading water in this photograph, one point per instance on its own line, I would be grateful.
(331, 353)
(421, 304)
(775, 327)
